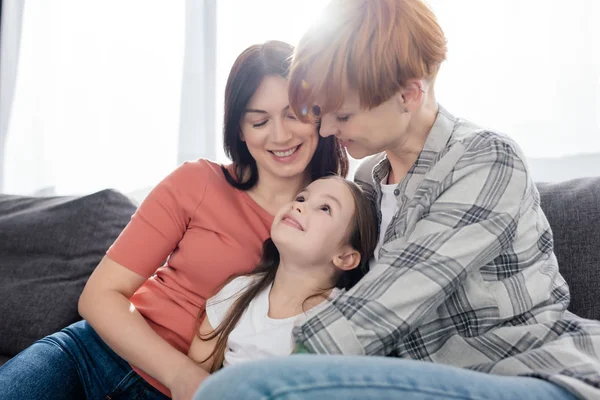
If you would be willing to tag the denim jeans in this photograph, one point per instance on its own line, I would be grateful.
(301, 377)
(74, 363)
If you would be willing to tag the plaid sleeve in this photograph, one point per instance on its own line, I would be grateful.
(465, 217)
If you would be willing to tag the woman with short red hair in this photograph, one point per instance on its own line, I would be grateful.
(464, 296)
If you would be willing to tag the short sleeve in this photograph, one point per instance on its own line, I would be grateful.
(161, 220)
(219, 305)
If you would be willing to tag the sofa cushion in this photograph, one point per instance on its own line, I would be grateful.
(573, 210)
(48, 249)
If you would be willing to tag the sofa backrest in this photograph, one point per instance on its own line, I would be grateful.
(48, 248)
(573, 210)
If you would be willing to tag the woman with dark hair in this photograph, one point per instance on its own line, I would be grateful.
(208, 222)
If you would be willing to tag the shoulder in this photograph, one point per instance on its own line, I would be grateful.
(200, 171)
(364, 172)
(182, 190)
(478, 141)
(233, 289)
(482, 165)
(195, 181)
(218, 306)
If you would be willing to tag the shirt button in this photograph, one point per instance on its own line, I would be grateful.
(396, 192)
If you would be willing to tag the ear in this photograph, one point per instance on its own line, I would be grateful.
(242, 136)
(347, 260)
(409, 96)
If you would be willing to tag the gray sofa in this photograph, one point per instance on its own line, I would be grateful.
(48, 249)
(49, 246)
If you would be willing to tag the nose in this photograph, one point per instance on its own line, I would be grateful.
(298, 207)
(281, 133)
(328, 126)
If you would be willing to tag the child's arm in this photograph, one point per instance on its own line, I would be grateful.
(201, 349)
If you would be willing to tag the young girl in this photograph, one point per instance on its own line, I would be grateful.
(320, 243)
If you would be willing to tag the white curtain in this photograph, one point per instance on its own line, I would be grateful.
(529, 68)
(99, 95)
(117, 93)
(10, 37)
(198, 130)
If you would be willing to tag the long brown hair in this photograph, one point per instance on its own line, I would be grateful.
(362, 238)
(271, 58)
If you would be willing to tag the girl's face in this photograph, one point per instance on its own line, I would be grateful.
(281, 145)
(314, 228)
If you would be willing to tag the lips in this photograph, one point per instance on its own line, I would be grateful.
(285, 152)
(293, 222)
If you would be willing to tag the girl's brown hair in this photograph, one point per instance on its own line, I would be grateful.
(271, 58)
(371, 46)
(362, 237)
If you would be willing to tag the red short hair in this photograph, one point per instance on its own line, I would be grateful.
(372, 46)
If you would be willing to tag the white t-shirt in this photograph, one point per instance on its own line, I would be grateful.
(388, 206)
(256, 335)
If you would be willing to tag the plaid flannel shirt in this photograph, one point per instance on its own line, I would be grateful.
(467, 275)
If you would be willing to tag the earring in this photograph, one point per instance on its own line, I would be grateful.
(406, 110)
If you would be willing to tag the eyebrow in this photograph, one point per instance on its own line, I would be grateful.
(334, 199)
(255, 110)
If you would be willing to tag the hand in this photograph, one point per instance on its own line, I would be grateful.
(186, 381)
(300, 348)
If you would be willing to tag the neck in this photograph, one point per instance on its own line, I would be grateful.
(294, 286)
(272, 192)
(403, 156)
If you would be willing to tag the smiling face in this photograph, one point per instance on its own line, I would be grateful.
(281, 145)
(366, 132)
(315, 227)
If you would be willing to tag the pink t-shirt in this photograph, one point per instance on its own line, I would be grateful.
(206, 231)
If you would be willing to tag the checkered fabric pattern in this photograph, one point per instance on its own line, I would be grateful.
(467, 275)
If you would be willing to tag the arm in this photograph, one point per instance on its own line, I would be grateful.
(150, 237)
(201, 349)
(105, 304)
(466, 226)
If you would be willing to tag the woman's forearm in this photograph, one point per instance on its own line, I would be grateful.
(105, 304)
(124, 329)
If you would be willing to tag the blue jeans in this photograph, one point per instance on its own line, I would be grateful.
(301, 377)
(74, 363)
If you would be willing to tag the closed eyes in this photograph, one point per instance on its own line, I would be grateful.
(258, 125)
